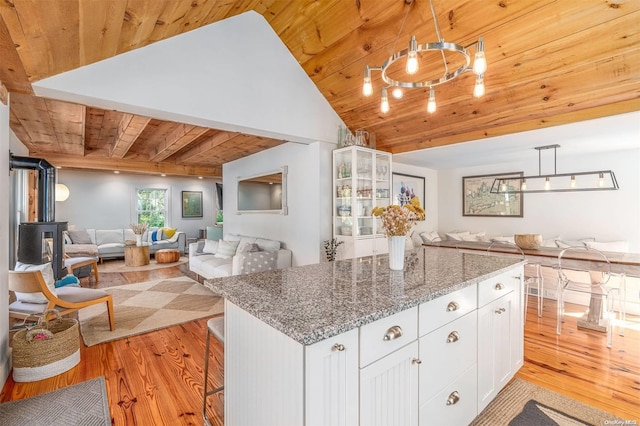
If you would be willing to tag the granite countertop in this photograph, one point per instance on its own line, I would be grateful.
(314, 302)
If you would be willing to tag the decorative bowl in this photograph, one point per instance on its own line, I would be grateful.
(528, 241)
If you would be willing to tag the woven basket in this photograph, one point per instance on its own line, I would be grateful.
(43, 358)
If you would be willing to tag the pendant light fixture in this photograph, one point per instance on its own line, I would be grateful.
(600, 180)
(411, 56)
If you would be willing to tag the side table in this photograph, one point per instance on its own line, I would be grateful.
(137, 255)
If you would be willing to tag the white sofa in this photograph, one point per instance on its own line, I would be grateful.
(109, 243)
(206, 261)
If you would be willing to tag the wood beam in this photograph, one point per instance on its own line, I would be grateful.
(79, 162)
(206, 145)
(129, 129)
(4, 94)
(12, 71)
(182, 136)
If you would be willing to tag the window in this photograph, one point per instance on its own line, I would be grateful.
(151, 207)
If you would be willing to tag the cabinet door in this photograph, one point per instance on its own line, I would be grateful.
(495, 348)
(389, 389)
(331, 381)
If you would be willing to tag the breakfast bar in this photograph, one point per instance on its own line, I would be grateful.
(352, 342)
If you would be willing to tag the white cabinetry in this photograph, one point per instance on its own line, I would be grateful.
(500, 333)
(361, 181)
(331, 385)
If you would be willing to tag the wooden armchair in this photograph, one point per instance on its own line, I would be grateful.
(68, 299)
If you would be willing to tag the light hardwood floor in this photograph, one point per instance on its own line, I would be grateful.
(156, 378)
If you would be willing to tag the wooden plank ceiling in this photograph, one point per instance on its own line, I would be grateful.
(550, 62)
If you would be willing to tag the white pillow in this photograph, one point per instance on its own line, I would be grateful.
(573, 243)
(226, 249)
(47, 273)
(503, 240)
(457, 236)
(210, 246)
(550, 242)
(429, 237)
(468, 236)
(621, 246)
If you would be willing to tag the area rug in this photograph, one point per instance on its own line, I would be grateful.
(85, 403)
(148, 306)
(524, 404)
(117, 265)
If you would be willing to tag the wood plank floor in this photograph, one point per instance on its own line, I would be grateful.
(156, 378)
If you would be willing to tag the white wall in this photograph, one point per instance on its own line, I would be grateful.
(4, 248)
(308, 221)
(606, 215)
(103, 200)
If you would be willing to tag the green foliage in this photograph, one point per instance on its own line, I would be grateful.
(219, 217)
(151, 207)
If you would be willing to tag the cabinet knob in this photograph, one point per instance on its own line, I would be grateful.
(500, 310)
(499, 286)
(452, 306)
(416, 361)
(453, 399)
(393, 333)
(338, 347)
(453, 337)
(518, 277)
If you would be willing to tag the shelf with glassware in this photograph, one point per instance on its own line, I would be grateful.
(361, 181)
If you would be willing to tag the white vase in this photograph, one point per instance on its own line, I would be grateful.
(139, 239)
(396, 253)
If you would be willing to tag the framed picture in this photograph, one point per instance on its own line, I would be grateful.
(191, 203)
(477, 199)
(405, 187)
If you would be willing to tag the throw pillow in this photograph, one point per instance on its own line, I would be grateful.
(80, 236)
(258, 262)
(67, 238)
(248, 248)
(169, 232)
(457, 236)
(226, 249)
(70, 279)
(621, 246)
(156, 235)
(209, 246)
(200, 247)
(503, 240)
(47, 273)
(430, 237)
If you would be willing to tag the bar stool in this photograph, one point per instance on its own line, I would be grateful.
(215, 327)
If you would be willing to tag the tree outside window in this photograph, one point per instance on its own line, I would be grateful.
(151, 207)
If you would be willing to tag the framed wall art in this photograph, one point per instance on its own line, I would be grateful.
(477, 199)
(191, 203)
(405, 187)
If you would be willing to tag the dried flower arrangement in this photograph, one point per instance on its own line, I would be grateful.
(398, 221)
(139, 228)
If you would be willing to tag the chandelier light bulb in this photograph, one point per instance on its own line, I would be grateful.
(412, 57)
(573, 182)
(480, 61)
(547, 184)
(431, 105)
(384, 101)
(601, 180)
(523, 185)
(367, 87)
(478, 89)
(397, 93)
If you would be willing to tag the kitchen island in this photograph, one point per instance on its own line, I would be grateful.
(352, 342)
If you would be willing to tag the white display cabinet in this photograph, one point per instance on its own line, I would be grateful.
(361, 181)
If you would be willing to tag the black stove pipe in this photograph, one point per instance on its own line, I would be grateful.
(46, 184)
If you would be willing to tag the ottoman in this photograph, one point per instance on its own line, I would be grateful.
(167, 255)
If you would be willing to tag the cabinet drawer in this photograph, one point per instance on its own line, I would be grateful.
(455, 405)
(495, 287)
(446, 353)
(384, 336)
(438, 312)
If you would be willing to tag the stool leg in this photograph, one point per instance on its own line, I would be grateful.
(206, 379)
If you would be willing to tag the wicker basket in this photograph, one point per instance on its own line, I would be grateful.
(39, 359)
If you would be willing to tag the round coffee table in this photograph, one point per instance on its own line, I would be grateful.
(167, 255)
(137, 255)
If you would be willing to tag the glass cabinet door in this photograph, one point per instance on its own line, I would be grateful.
(383, 186)
(364, 193)
(343, 187)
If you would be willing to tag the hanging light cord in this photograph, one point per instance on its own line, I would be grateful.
(440, 40)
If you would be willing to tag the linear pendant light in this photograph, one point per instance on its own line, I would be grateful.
(599, 180)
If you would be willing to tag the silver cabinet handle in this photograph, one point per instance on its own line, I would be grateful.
(499, 286)
(453, 399)
(393, 333)
(500, 310)
(518, 277)
(416, 361)
(338, 347)
(453, 337)
(452, 306)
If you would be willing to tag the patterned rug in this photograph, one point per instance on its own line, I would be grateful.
(117, 265)
(143, 307)
(522, 403)
(81, 404)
